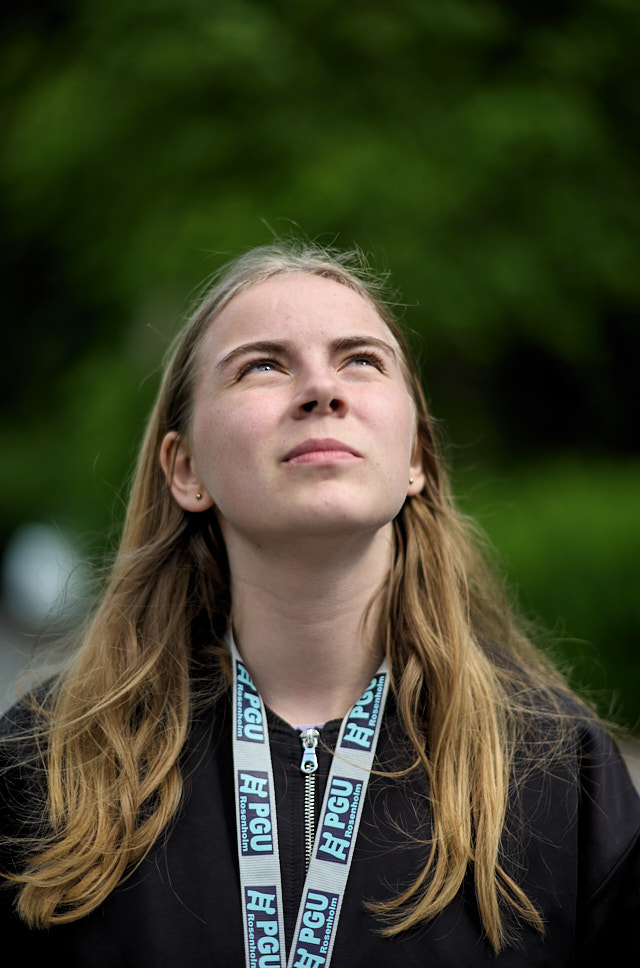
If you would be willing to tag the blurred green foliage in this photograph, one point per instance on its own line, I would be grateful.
(486, 153)
(567, 532)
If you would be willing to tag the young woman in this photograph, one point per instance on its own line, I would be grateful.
(304, 727)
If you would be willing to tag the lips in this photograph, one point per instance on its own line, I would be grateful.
(320, 447)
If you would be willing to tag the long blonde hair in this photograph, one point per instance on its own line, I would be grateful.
(113, 726)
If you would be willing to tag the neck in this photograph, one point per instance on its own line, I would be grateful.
(304, 626)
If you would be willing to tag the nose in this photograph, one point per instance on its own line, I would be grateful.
(320, 392)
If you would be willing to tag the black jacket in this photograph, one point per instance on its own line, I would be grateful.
(578, 827)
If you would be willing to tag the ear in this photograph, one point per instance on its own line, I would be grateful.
(417, 476)
(182, 477)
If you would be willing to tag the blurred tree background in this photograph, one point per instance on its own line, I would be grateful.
(487, 154)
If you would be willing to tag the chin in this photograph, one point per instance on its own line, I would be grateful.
(333, 521)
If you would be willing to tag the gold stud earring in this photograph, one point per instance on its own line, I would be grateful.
(198, 496)
(410, 480)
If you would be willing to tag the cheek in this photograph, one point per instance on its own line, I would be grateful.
(398, 427)
(226, 445)
(211, 442)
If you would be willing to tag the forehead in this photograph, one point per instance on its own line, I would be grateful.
(295, 304)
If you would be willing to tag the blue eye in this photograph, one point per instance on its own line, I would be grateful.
(258, 366)
(366, 360)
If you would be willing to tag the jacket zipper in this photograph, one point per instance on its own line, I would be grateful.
(308, 766)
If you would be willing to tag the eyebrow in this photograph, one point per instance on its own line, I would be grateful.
(274, 347)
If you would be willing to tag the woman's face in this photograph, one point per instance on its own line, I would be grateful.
(302, 423)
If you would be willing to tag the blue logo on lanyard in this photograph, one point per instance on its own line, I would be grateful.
(316, 928)
(339, 820)
(360, 727)
(249, 719)
(265, 947)
(254, 813)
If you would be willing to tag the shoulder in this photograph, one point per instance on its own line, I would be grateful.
(595, 793)
(608, 848)
(573, 830)
(609, 809)
(22, 774)
(17, 736)
(562, 738)
(605, 787)
(572, 749)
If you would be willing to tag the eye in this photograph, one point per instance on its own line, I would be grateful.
(366, 358)
(257, 366)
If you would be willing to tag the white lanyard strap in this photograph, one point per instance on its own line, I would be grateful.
(257, 826)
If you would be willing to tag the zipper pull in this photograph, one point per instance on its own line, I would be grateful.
(309, 739)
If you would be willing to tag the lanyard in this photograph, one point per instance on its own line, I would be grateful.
(257, 826)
